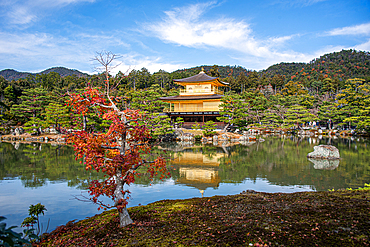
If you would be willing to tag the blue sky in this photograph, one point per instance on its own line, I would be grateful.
(169, 35)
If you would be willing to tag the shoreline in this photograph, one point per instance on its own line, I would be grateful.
(28, 138)
(247, 219)
(222, 136)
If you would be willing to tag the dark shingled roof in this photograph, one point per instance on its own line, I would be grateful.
(212, 96)
(199, 78)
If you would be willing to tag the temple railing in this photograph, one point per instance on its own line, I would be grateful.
(200, 91)
(192, 109)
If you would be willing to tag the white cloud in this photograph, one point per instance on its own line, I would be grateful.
(184, 26)
(364, 46)
(54, 3)
(128, 62)
(362, 29)
(188, 27)
(38, 51)
(297, 3)
(21, 16)
(29, 11)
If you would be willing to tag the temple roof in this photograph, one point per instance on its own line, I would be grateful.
(191, 97)
(201, 77)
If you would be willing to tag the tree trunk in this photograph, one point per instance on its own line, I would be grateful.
(84, 123)
(1, 100)
(124, 217)
(225, 128)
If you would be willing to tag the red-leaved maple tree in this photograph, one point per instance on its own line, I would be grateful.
(117, 152)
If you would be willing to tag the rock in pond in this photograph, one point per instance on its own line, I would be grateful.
(324, 164)
(324, 152)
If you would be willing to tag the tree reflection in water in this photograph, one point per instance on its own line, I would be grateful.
(280, 160)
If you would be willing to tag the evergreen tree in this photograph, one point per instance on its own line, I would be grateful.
(214, 71)
(29, 111)
(293, 88)
(233, 110)
(257, 104)
(209, 128)
(160, 125)
(56, 115)
(353, 102)
(297, 114)
(252, 80)
(270, 119)
(327, 110)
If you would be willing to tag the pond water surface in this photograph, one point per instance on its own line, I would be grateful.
(33, 173)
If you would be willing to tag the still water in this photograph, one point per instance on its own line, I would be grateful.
(33, 173)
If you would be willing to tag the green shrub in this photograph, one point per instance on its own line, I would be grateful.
(195, 126)
(209, 128)
(10, 238)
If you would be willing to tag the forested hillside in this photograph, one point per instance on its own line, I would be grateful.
(215, 70)
(335, 86)
(342, 65)
(11, 74)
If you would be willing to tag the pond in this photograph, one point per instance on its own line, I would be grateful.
(33, 173)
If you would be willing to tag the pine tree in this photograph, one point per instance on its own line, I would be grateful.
(233, 111)
(353, 100)
(30, 109)
(297, 115)
(56, 115)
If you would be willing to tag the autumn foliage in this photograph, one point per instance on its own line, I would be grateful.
(117, 152)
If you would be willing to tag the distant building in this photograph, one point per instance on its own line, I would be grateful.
(198, 102)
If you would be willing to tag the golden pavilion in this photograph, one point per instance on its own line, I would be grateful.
(199, 101)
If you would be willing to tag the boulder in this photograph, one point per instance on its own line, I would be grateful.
(16, 145)
(178, 132)
(17, 132)
(302, 132)
(324, 152)
(215, 138)
(187, 137)
(53, 131)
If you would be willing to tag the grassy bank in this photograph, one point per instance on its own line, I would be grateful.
(340, 218)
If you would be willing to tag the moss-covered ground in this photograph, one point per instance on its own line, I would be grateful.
(334, 218)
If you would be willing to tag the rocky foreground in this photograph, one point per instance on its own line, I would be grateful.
(340, 218)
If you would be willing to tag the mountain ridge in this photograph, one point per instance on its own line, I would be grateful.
(341, 65)
(12, 74)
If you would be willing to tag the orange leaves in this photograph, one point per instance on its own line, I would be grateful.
(118, 152)
(82, 102)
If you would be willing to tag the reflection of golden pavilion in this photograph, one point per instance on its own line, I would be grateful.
(200, 159)
(190, 175)
(197, 169)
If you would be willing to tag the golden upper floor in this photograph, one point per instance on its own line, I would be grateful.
(200, 84)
